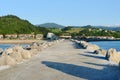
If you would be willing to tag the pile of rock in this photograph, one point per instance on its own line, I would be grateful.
(92, 47)
(100, 51)
(1, 51)
(42, 45)
(16, 54)
(87, 45)
(111, 54)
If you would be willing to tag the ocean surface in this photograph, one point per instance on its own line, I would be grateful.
(4, 46)
(108, 44)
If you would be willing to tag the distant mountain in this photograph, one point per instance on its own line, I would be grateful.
(51, 25)
(114, 28)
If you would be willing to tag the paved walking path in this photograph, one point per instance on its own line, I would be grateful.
(63, 61)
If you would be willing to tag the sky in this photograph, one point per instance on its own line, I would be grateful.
(64, 12)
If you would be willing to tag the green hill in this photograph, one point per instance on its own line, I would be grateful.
(11, 24)
(88, 31)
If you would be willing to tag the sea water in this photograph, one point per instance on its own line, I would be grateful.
(108, 44)
(5, 46)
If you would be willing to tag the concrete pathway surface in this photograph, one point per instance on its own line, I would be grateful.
(64, 61)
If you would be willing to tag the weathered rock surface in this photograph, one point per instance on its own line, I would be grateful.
(36, 46)
(25, 54)
(7, 60)
(86, 45)
(92, 47)
(16, 54)
(83, 44)
(113, 55)
(100, 51)
(1, 51)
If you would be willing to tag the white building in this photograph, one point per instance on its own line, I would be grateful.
(51, 36)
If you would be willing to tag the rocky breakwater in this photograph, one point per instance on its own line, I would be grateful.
(17, 54)
(87, 45)
(101, 52)
(14, 55)
(113, 55)
(110, 55)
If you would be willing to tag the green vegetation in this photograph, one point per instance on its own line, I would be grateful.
(89, 31)
(11, 24)
(56, 31)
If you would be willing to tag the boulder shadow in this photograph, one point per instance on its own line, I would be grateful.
(91, 52)
(93, 56)
(96, 64)
(84, 72)
(112, 66)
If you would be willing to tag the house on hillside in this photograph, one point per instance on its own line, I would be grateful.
(1, 36)
(10, 36)
(39, 36)
(26, 36)
(105, 37)
(30, 36)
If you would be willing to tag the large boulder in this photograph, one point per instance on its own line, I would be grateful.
(44, 45)
(36, 46)
(14, 53)
(1, 51)
(100, 51)
(113, 55)
(78, 41)
(7, 60)
(33, 52)
(83, 44)
(25, 54)
(28, 47)
(87, 46)
(110, 52)
(17, 53)
(92, 47)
